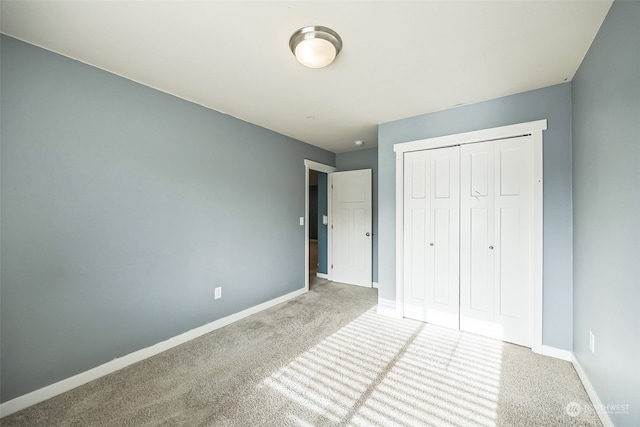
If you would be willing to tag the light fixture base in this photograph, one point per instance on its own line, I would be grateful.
(315, 46)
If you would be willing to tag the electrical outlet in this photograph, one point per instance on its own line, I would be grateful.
(592, 342)
(218, 292)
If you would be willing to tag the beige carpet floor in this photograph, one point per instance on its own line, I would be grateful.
(323, 359)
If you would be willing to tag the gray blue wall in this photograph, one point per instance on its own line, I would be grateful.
(606, 211)
(365, 159)
(122, 208)
(551, 103)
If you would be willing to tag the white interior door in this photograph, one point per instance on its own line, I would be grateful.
(496, 230)
(431, 236)
(351, 240)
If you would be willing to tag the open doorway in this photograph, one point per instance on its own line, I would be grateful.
(316, 221)
(312, 220)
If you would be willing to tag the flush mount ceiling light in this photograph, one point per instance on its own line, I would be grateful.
(359, 143)
(315, 47)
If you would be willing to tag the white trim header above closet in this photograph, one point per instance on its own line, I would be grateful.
(470, 137)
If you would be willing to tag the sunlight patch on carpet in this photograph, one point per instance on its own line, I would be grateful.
(382, 371)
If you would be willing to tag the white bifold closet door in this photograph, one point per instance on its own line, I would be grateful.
(496, 230)
(431, 244)
(467, 237)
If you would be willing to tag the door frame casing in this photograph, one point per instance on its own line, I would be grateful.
(318, 167)
(534, 129)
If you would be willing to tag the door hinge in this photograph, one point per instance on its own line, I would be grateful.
(332, 186)
(332, 266)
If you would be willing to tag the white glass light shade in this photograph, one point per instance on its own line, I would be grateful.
(315, 47)
(315, 53)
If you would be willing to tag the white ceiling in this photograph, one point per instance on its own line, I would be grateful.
(400, 58)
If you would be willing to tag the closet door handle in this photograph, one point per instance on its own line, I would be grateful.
(430, 244)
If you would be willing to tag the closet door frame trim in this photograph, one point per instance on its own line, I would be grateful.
(534, 129)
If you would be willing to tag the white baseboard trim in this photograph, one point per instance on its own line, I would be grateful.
(558, 353)
(37, 396)
(375, 285)
(322, 276)
(388, 308)
(595, 399)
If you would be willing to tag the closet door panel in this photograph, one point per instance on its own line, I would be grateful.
(416, 235)
(418, 254)
(444, 305)
(514, 185)
(510, 263)
(477, 294)
(442, 174)
(495, 227)
(478, 280)
(431, 236)
(441, 249)
(477, 177)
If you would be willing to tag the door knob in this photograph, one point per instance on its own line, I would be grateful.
(491, 247)
(430, 244)
(368, 234)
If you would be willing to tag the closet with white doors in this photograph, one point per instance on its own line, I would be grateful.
(470, 238)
